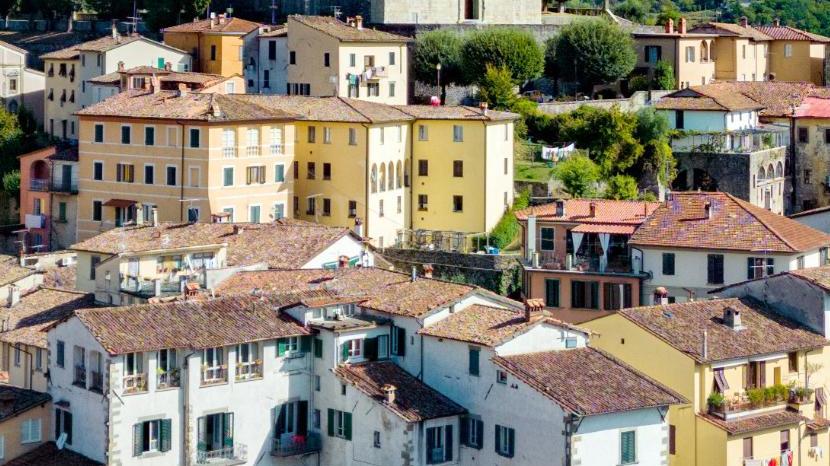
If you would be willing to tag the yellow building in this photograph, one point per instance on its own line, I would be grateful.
(757, 381)
(193, 157)
(25, 424)
(793, 53)
(327, 57)
(689, 54)
(218, 44)
(60, 98)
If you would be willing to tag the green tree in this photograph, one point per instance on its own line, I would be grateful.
(608, 135)
(441, 46)
(496, 88)
(591, 52)
(578, 174)
(514, 49)
(668, 13)
(652, 130)
(664, 76)
(164, 13)
(11, 182)
(621, 187)
(633, 10)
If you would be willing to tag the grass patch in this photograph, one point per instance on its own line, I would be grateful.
(531, 171)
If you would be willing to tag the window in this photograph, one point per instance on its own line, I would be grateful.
(584, 295)
(327, 207)
(326, 171)
(327, 59)
(391, 89)
(457, 133)
(212, 53)
(266, 79)
(748, 447)
(570, 342)
(151, 436)
(171, 176)
(672, 439)
(253, 214)
(551, 292)
(63, 424)
(124, 173)
(501, 376)
(668, 263)
(505, 441)
(743, 54)
(30, 431)
(679, 119)
(423, 167)
(788, 50)
(149, 174)
(126, 131)
(292, 58)
(352, 209)
(653, 53)
(255, 174)
(714, 271)
(62, 211)
(628, 447)
(352, 59)
(373, 89)
(439, 444)
(376, 439)
(192, 214)
(398, 343)
(326, 135)
(99, 133)
(785, 440)
(227, 176)
(799, 262)
(458, 203)
(690, 54)
(312, 134)
(458, 168)
(352, 137)
(97, 211)
(149, 136)
(423, 202)
(803, 135)
(60, 354)
(400, 204)
(339, 424)
(758, 267)
(97, 171)
(473, 363)
(792, 360)
(279, 173)
(547, 238)
(616, 296)
(423, 134)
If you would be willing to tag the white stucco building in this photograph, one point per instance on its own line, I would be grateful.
(270, 71)
(19, 85)
(456, 11)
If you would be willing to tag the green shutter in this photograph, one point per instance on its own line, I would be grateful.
(305, 344)
(551, 292)
(138, 439)
(347, 425)
(511, 442)
(344, 352)
(165, 427)
(201, 433)
(318, 348)
(160, 63)
(479, 440)
(474, 357)
(331, 423)
(227, 433)
(594, 295)
(498, 439)
(281, 344)
(628, 452)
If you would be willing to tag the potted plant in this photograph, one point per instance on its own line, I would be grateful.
(756, 397)
(715, 401)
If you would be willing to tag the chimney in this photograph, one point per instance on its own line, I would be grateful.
(560, 207)
(427, 270)
(222, 18)
(414, 276)
(343, 262)
(389, 391)
(358, 227)
(114, 28)
(155, 216)
(732, 318)
(682, 26)
(14, 295)
(155, 84)
(708, 211)
(238, 229)
(168, 66)
(182, 89)
(358, 22)
(157, 287)
(670, 26)
(744, 21)
(592, 209)
(531, 306)
(705, 344)
(121, 67)
(483, 107)
(776, 22)
(661, 296)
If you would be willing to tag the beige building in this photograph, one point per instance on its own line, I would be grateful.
(25, 423)
(690, 54)
(327, 57)
(793, 52)
(456, 11)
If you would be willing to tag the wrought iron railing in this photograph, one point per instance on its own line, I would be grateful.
(296, 445)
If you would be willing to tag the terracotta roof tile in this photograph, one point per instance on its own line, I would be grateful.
(11, 271)
(814, 107)
(709, 97)
(339, 30)
(579, 211)
(682, 325)
(48, 454)
(735, 225)
(488, 326)
(385, 291)
(588, 381)
(414, 400)
(454, 112)
(285, 244)
(192, 324)
(68, 53)
(38, 310)
(819, 276)
(334, 109)
(776, 97)
(731, 29)
(14, 400)
(221, 25)
(102, 44)
(790, 33)
(279, 31)
(756, 423)
(60, 277)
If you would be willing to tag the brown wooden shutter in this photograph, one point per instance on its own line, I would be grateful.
(762, 374)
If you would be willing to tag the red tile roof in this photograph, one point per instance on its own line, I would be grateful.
(579, 211)
(220, 25)
(11, 271)
(708, 97)
(36, 311)
(735, 225)
(588, 381)
(814, 107)
(682, 325)
(791, 34)
(193, 324)
(343, 32)
(414, 400)
(756, 423)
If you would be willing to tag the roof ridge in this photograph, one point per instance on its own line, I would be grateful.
(766, 225)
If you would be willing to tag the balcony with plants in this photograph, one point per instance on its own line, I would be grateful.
(747, 141)
(135, 383)
(757, 400)
(167, 378)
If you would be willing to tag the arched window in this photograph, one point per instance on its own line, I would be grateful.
(704, 51)
(779, 170)
(374, 180)
(398, 175)
(391, 176)
(761, 174)
(13, 106)
(770, 171)
(382, 177)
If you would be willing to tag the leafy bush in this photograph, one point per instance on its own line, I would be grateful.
(621, 187)
(506, 231)
(514, 49)
(578, 174)
(664, 76)
(756, 396)
(496, 88)
(11, 182)
(638, 83)
(715, 399)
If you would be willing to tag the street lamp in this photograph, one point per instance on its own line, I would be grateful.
(438, 71)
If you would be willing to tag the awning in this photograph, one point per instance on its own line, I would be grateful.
(720, 381)
(610, 228)
(119, 203)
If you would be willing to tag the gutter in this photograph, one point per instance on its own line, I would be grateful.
(572, 423)
(366, 185)
(185, 459)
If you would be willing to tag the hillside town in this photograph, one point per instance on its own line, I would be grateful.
(399, 233)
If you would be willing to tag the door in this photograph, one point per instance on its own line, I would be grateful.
(66, 177)
(776, 376)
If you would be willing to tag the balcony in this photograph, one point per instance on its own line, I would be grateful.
(97, 379)
(233, 455)
(64, 186)
(252, 151)
(249, 370)
(39, 184)
(168, 379)
(375, 72)
(744, 142)
(277, 149)
(756, 401)
(80, 377)
(229, 152)
(296, 445)
(214, 375)
(135, 383)
(146, 288)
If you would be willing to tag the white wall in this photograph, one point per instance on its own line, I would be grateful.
(597, 441)
(543, 337)
(277, 69)
(346, 246)
(820, 220)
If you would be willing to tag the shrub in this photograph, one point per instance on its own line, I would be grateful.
(756, 396)
(715, 399)
(514, 49)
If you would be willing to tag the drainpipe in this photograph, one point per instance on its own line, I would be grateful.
(181, 173)
(792, 157)
(366, 185)
(184, 382)
(572, 423)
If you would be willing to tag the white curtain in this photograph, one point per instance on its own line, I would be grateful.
(604, 239)
(577, 240)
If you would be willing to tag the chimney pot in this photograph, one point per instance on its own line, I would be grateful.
(343, 262)
(358, 22)
(776, 22)
(484, 107)
(682, 25)
(114, 28)
(593, 209)
(358, 227)
(531, 306)
(14, 295)
(707, 207)
(560, 207)
(428, 270)
(661, 296)
(732, 318)
(155, 216)
(390, 391)
(744, 21)
(670, 26)
(238, 229)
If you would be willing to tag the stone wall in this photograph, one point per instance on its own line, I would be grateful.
(637, 101)
(497, 273)
(728, 173)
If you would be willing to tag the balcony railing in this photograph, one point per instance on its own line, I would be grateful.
(376, 72)
(39, 184)
(97, 379)
(80, 376)
(236, 454)
(215, 374)
(296, 445)
(64, 186)
(758, 401)
(617, 263)
(229, 152)
(252, 151)
(146, 288)
(733, 142)
(277, 149)
(135, 383)
(249, 370)
(168, 379)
